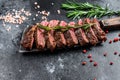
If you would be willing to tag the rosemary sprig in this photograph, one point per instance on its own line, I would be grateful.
(84, 26)
(44, 27)
(78, 10)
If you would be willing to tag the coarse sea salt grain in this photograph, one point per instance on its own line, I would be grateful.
(15, 16)
(58, 11)
(38, 6)
(35, 3)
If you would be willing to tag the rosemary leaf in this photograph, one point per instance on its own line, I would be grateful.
(78, 10)
(44, 27)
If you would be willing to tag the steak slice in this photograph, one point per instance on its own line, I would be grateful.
(40, 36)
(70, 36)
(98, 31)
(90, 34)
(59, 36)
(81, 35)
(51, 43)
(40, 39)
(28, 38)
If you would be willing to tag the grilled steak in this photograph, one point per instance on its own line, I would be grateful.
(81, 35)
(70, 36)
(51, 44)
(51, 39)
(59, 36)
(28, 38)
(40, 36)
(90, 34)
(98, 31)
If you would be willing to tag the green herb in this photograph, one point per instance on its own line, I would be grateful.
(44, 27)
(78, 10)
(84, 26)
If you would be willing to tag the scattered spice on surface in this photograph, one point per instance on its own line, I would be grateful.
(110, 41)
(36, 15)
(119, 34)
(35, 3)
(89, 56)
(119, 55)
(9, 28)
(94, 79)
(95, 64)
(34, 19)
(105, 54)
(116, 39)
(84, 63)
(111, 63)
(58, 11)
(15, 16)
(44, 18)
(17, 25)
(84, 51)
(115, 53)
(106, 31)
(52, 4)
(38, 6)
(45, 13)
(91, 60)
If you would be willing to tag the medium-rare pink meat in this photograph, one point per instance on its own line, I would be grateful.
(59, 36)
(28, 38)
(90, 33)
(81, 35)
(51, 43)
(70, 36)
(40, 36)
(98, 31)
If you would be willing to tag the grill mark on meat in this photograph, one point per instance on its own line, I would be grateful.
(90, 34)
(40, 39)
(59, 36)
(81, 35)
(70, 36)
(98, 31)
(51, 43)
(60, 39)
(28, 38)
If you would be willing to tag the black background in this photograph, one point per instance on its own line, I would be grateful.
(17, 66)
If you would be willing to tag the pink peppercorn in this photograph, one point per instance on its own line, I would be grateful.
(84, 51)
(95, 64)
(89, 55)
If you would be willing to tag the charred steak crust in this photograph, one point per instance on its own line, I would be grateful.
(60, 39)
(28, 38)
(70, 36)
(98, 31)
(40, 39)
(51, 44)
(90, 34)
(59, 36)
(81, 35)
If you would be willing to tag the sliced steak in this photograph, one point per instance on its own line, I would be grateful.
(59, 36)
(28, 38)
(90, 33)
(70, 36)
(98, 31)
(51, 43)
(40, 36)
(81, 35)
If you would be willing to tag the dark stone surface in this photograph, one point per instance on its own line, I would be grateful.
(61, 65)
